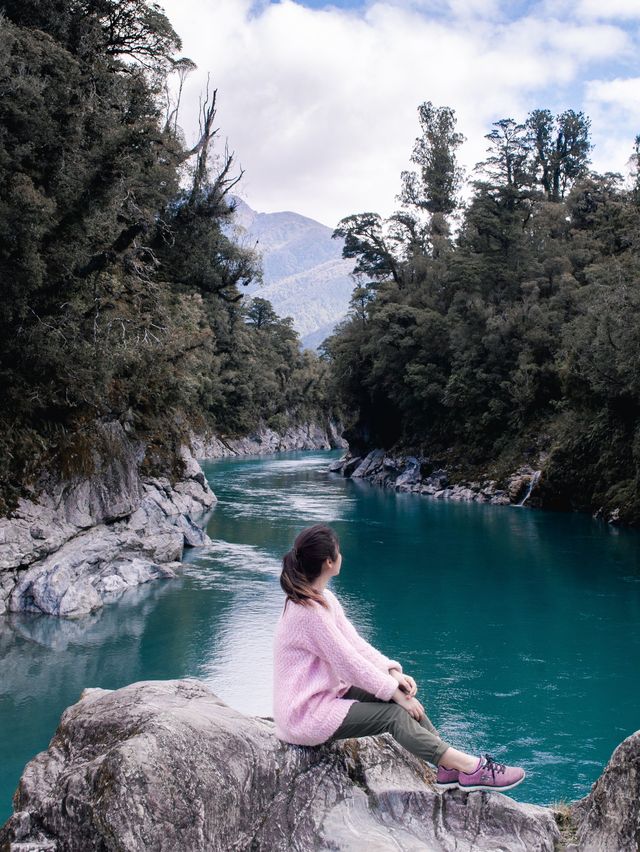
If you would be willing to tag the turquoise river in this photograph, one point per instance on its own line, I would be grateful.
(521, 627)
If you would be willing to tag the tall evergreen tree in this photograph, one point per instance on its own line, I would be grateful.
(121, 291)
(435, 185)
(561, 149)
(519, 333)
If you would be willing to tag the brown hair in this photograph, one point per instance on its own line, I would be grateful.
(303, 563)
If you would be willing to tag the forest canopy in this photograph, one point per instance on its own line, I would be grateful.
(493, 330)
(121, 288)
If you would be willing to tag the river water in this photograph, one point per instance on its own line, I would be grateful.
(521, 627)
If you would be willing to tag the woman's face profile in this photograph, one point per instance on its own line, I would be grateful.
(336, 564)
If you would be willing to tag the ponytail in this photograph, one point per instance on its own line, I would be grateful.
(302, 565)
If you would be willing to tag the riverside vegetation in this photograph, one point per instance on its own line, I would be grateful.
(504, 330)
(123, 330)
(482, 335)
(121, 298)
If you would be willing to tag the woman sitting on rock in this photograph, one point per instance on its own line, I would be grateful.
(329, 683)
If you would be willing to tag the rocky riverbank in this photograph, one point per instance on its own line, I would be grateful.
(526, 485)
(83, 541)
(308, 436)
(167, 765)
(412, 473)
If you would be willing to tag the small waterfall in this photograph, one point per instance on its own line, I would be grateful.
(532, 484)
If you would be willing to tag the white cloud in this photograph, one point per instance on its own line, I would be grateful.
(590, 42)
(622, 94)
(606, 101)
(321, 105)
(608, 9)
(458, 8)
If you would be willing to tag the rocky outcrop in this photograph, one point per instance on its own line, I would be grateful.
(167, 765)
(85, 540)
(526, 486)
(410, 473)
(609, 817)
(308, 436)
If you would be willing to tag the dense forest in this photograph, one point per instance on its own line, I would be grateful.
(121, 289)
(497, 319)
(494, 318)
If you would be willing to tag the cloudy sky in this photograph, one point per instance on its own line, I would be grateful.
(319, 100)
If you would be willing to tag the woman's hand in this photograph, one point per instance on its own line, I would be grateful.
(406, 683)
(411, 705)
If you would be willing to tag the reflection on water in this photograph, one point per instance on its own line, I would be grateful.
(237, 557)
(519, 626)
(235, 669)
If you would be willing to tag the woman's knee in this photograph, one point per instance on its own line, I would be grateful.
(403, 723)
(397, 715)
(426, 723)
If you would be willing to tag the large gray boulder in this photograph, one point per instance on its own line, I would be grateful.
(369, 465)
(85, 540)
(609, 817)
(410, 475)
(166, 765)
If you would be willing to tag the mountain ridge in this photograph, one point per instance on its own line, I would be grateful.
(304, 273)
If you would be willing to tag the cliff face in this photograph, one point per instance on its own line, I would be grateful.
(308, 436)
(167, 765)
(86, 539)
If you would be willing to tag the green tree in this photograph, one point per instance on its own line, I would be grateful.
(365, 240)
(561, 149)
(434, 187)
(121, 289)
(260, 313)
(519, 333)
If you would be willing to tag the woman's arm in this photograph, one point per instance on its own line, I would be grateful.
(328, 642)
(372, 654)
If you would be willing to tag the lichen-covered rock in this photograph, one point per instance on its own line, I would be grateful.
(73, 549)
(166, 765)
(609, 817)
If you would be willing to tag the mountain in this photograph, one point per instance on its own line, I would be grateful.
(305, 276)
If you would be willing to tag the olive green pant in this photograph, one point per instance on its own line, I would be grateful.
(370, 716)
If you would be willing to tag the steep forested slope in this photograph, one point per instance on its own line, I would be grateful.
(483, 333)
(122, 294)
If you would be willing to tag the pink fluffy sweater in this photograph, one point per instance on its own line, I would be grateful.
(318, 655)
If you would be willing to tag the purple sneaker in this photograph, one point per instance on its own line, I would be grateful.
(447, 779)
(490, 776)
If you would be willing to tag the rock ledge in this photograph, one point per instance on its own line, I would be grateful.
(166, 765)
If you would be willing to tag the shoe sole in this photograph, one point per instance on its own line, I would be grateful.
(488, 788)
(450, 785)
